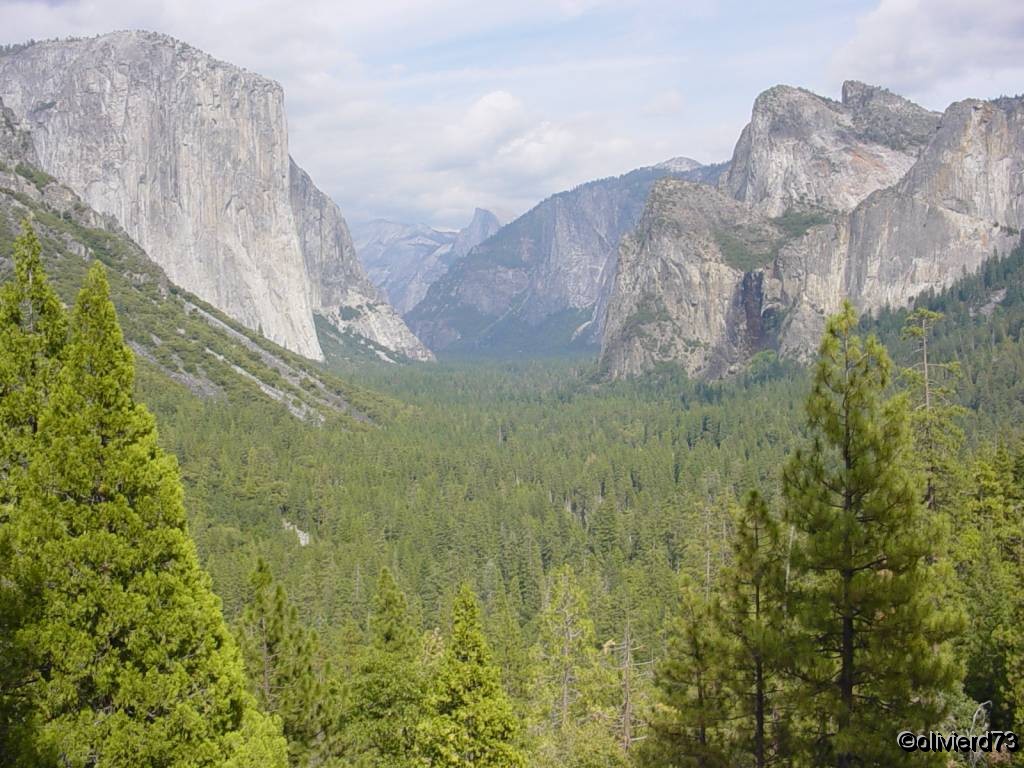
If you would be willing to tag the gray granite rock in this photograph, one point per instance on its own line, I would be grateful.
(190, 155)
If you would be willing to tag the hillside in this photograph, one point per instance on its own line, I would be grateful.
(204, 184)
(176, 336)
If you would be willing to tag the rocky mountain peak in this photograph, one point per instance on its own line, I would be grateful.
(679, 164)
(872, 199)
(404, 260)
(190, 155)
(801, 150)
(482, 226)
(884, 117)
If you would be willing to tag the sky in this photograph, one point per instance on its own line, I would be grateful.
(421, 110)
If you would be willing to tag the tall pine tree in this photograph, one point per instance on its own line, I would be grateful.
(751, 620)
(469, 719)
(386, 691)
(282, 659)
(871, 645)
(692, 710)
(572, 691)
(135, 663)
(33, 331)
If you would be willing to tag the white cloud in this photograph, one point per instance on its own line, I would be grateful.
(938, 51)
(424, 109)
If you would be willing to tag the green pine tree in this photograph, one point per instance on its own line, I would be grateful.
(135, 663)
(33, 331)
(469, 719)
(282, 660)
(751, 618)
(692, 709)
(572, 692)
(871, 647)
(386, 691)
(934, 415)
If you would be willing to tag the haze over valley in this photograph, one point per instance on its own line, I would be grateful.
(577, 384)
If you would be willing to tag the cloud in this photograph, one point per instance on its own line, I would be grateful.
(421, 110)
(667, 103)
(425, 109)
(938, 51)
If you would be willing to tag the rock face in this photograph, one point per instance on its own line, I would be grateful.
(837, 233)
(15, 142)
(190, 155)
(340, 291)
(800, 149)
(699, 243)
(405, 260)
(539, 285)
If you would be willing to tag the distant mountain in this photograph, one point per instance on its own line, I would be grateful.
(190, 156)
(539, 285)
(871, 198)
(678, 164)
(404, 260)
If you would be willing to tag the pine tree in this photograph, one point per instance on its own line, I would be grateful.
(386, 691)
(508, 644)
(751, 618)
(1011, 544)
(988, 533)
(572, 691)
(33, 331)
(872, 639)
(469, 720)
(934, 416)
(692, 709)
(283, 664)
(136, 666)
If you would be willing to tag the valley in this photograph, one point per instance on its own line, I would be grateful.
(692, 466)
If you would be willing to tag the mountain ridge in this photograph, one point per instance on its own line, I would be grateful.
(957, 197)
(190, 155)
(541, 282)
(404, 260)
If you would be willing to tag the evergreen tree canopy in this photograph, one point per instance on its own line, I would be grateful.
(871, 641)
(469, 719)
(282, 659)
(33, 331)
(688, 719)
(386, 692)
(751, 617)
(136, 666)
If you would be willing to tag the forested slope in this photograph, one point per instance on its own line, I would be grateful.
(504, 508)
(176, 335)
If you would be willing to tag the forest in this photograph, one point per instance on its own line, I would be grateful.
(515, 564)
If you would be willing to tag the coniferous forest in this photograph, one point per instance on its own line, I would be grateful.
(518, 564)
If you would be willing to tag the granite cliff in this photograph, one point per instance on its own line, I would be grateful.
(404, 260)
(190, 156)
(871, 199)
(340, 290)
(176, 337)
(539, 285)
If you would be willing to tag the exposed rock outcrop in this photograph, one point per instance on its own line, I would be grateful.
(340, 291)
(190, 155)
(960, 199)
(15, 142)
(803, 150)
(405, 260)
(676, 293)
(540, 284)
